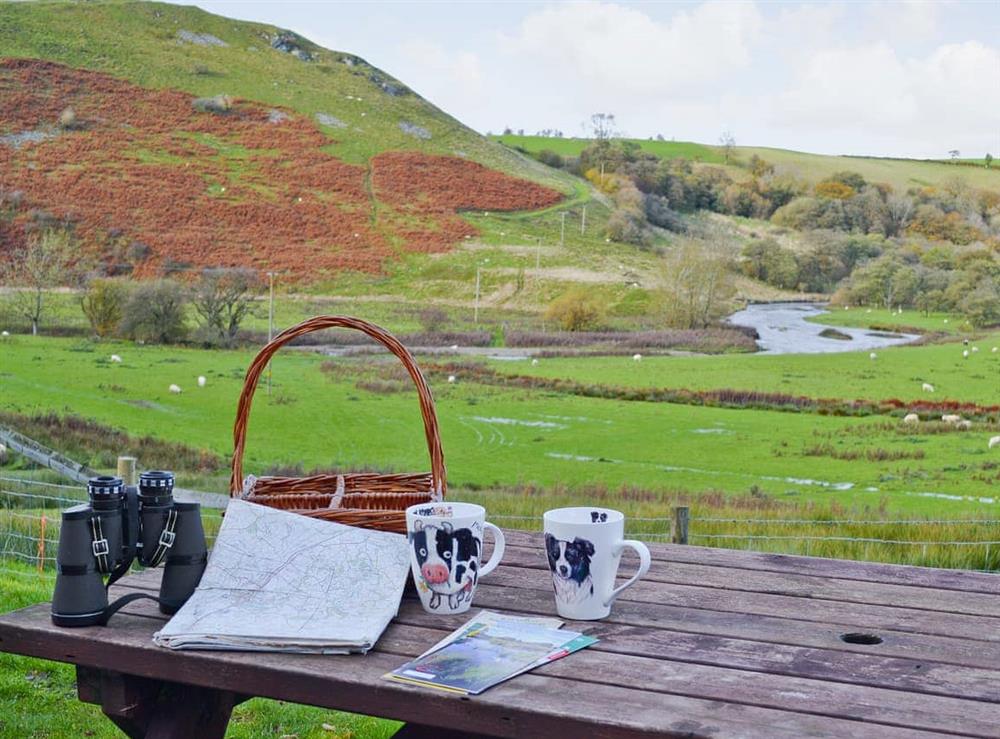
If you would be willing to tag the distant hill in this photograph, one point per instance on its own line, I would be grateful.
(902, 174)
(196, 140)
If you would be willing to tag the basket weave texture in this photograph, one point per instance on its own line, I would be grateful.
(367, 499)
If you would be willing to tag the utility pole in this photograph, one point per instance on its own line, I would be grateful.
(476, 314)
(270, 322)
(562, 230)
(583, 222)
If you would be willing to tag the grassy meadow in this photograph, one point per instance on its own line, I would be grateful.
(361, 412)
(902, 174)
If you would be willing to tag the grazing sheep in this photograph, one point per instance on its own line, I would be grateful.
(946, 320)
(975, 349)
(3, 454)
(994, 349)
(5, 334)
(636, 357)
(451, 378)
(116, 359)
(966, 354)
(175, 389)
(928, 388)
(951, 418)
(965, 342)
(534, 362)
(201, 381)
(454, 347)
(873, 355)
(911, 419)
(994, 441)
(964, 424)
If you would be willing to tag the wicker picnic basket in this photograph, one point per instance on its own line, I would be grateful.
(370, 500)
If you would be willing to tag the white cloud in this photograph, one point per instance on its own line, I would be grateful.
(908, 19)
(928, 104)
(448, 78)
(611, 49)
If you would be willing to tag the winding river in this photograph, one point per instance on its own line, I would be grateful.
(783, 329)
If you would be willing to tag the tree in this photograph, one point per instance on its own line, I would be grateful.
(898, 211)
(728, 143)
(698, 285)
(222, 298)
(954, 154)
(988, 160)
(43, 263)
(104, 305)
(603, 126)
(155, 312)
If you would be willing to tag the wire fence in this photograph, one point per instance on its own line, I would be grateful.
(30, 516)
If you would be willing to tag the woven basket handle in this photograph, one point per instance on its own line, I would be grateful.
(318, 323)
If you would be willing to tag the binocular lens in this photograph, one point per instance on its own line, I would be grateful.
(106, 493)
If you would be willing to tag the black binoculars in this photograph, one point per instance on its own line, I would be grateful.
(121, 524)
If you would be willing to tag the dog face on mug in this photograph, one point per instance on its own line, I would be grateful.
(569, 562)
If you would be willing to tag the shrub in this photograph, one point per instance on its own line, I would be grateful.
(549, 157)
(219, 104)
(659, 213)
(104, 304)
(433, 319)
(68, 120)
(155, 312)
(576, 310)
(625, 226)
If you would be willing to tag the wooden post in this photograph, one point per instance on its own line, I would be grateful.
(41, 546)
(270, 322)
(562, 231)
(681, 518)
(126, 470)
(476, 313)
(583, 221)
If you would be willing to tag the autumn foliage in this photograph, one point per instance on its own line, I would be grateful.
(239, 188)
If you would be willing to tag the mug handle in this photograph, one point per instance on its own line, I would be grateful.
(498, 549)
(644, 562)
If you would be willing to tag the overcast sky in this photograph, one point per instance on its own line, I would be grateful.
(883, 78)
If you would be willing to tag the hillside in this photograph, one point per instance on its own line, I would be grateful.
(902, 174)
(193, 136)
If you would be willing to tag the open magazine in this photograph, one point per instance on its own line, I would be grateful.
(488, 650)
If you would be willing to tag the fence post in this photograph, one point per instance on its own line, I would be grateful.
(41, 545)
(681, 518)
(126, 470)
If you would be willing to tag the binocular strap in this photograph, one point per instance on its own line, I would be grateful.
(166, 540)
(113, 608)
(99, 545)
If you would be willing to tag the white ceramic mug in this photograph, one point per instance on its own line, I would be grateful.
(584, 547)
(446, 543)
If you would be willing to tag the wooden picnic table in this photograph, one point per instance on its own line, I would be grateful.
(712, 642)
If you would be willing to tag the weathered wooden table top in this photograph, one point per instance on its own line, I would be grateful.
(712, 642)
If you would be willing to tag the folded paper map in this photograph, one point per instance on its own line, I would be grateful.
(281, 582)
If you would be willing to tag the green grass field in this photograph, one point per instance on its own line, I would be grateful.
(902, 174)
(495, 437)
(947, 323)
(898, 372)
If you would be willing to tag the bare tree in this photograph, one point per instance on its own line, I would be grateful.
(954, 154)
(32, 270)
(698, 284)
(988, 159)
(728, 143)
(898, 211)
(223, 298)
(603, 126)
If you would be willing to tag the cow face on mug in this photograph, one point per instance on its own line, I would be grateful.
(448, 560)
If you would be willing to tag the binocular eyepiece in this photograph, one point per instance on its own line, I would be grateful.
(121, 524)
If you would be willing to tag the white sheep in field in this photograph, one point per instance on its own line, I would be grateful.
(966, 354)
(928, 388)
(454, 347)
(975, 349)
(5, 334)
(175, 389)
(994, 441)
(116, 359)
(534, 362)
(950, 418)
(873, 356)
(995, 349)
(636, 357)
(451, 378)
(911, 419)
(202, 381)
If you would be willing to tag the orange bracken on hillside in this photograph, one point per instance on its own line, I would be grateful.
(249, 187)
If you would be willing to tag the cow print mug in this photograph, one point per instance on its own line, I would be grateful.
(584, 547)
(446, 543)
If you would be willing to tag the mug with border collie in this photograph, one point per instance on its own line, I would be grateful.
(446, 544)
(584, 547)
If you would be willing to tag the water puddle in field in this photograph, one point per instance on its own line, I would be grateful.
(783, 329)
(949, 496)
(519, 422)
(714, 473)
